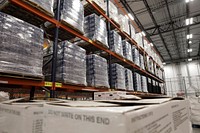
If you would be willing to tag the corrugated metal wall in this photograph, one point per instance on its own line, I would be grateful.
(183, 77)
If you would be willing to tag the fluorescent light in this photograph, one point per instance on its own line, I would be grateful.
(187, 21)
(189, 36)
(188, 1)
(191, 20)
(130, 16)
(189, 50)
(190, 42)
(190, 59)
(143, 33)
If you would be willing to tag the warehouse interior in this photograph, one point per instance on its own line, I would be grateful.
(77, 66)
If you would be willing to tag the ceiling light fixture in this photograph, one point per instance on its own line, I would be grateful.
(130, 16)
(190, 59)
(189, 21)
(189, 36)
(143, 33)
(188, 1)
(189, 50)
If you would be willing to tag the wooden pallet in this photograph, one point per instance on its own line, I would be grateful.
(40, 8)
(89, 9)
(112, 26)
(72, 27)
(20, 75)
(73, 84)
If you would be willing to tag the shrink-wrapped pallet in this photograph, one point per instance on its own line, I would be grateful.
(97, 71)
(116, 43)
(21, 47)
(118, 76)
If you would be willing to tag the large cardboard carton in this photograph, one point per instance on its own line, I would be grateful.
(21, 117)
(143, 116)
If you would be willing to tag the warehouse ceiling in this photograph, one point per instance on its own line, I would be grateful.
(164, 22)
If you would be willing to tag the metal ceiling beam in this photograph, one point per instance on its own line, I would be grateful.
(176, 27)
(176, 42)
(128, 8)
(182, 59)
(155, 23)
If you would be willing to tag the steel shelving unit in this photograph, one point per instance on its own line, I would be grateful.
(43, 17)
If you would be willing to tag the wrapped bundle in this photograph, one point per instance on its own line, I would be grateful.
(113, 11)
(95, 29)
(136, 56)
(124, 24)
(144, 84)
(138, 39)
(127, 50)
(129, 79)
(72, 12)
(116, 43)
(133, 36)
(97, 71)
(21, 47)
(45, 4)
(137, 82)
(118, 76)
(71, 64)
(141, 61)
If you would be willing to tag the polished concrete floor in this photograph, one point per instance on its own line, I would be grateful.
(196, 130)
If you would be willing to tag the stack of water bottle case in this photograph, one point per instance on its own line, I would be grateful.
(73, 65)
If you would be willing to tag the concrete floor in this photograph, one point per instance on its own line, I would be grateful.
(196, 130)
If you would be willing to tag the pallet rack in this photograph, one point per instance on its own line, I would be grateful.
(53, 85)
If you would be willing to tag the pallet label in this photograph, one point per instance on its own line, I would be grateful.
(48, 84)
(58, 85)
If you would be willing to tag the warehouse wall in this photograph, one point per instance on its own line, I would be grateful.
(182, 77)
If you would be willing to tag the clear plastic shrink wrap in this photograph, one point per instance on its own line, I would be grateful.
(21, 47)
(136, 54)
(72, 12)
(116, 43)
(71, 64)
(97, 71)
(113, 12)
(137, 82)
(118, 76)
(127, 50)
(144, 84)
(95, 29)
(45, 4)
(124, 24)
(128, 79)
(138, 39)
(141, 61)
(133, 36)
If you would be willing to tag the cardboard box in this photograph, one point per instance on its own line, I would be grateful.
(111, 95)
(146, 116)
(21, 117)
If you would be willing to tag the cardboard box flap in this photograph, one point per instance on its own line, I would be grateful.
(105, 109)
(83, 104)
(129, 97)
(139, 102)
